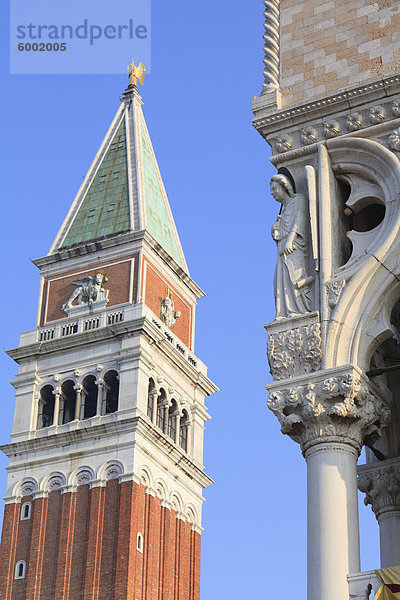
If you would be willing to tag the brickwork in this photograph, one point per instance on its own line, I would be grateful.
(65, 545)
(57, 290)
(156, 289)
(36, 554)
(330, 45)
(83, 546)
(9, 538)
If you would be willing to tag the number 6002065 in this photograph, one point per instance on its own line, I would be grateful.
(42, 47)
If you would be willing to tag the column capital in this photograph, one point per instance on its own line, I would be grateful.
(333, 405)
(380, 482)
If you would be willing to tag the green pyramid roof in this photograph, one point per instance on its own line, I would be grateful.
(105, 207)
(123, 189)
(158, 220)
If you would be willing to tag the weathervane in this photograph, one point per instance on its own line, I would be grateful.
(136, 73)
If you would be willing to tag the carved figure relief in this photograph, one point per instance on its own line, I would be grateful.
(90, 288)
(295, 352)
(168, 313)
(291, 281)
(394, 140)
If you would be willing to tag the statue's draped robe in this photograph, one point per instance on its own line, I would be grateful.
(291, 268)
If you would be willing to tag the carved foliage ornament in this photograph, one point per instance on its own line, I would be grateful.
(381, 486)
(332, 129)
(284, 143)
(333, 290)
(354, 122)
(377, 114)
(309, 135)
(295, 352)
(335, 407)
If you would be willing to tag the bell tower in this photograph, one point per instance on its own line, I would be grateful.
(105, 473)
(330, 111)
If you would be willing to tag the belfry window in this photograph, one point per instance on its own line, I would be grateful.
(20, 568)
(172, 413)
(183, 431)
(68, 402)
(89, 396)
(46, 407)
(150, 400)
(161, 409)
(112, 391)
(26, 510)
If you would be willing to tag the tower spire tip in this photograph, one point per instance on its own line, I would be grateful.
(136, 73)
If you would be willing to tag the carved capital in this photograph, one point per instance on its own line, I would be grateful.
(333, 405)
(294, 351)
(381, 484)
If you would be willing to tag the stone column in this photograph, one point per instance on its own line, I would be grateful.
(165, 407)
(177, 427)
(333, 548)
(381, 484)
(188, 426)
(57, 396)
(78, 388)
(330, 413)
(154, 397)
(100, 394)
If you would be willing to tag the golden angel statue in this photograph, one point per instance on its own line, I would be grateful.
(136, 73)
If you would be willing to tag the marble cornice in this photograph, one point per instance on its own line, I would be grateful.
(371, 110)
(269, 122)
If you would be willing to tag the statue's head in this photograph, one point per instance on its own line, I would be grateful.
(100, 277)
(281, 187)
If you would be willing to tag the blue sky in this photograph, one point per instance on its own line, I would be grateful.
(206, 66)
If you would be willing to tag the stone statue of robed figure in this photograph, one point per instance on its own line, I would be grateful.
(291, 281)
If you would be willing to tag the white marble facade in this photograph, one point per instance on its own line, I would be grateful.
(337, 292)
